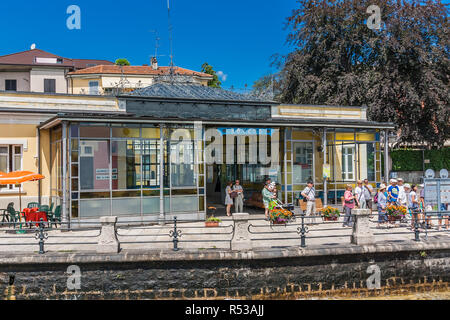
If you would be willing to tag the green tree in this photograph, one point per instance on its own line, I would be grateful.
(400, 71)
(267, 85)
(122, 62)
(215, 83)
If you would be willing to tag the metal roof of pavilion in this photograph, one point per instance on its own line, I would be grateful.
(171, 88)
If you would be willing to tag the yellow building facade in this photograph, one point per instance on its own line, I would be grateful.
(24, 147)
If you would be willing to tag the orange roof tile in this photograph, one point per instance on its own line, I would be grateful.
(138, 70)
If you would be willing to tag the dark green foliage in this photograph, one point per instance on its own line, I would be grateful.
(412, 160)
(401, 72)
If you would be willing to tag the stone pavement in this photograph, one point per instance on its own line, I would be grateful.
(194, 235)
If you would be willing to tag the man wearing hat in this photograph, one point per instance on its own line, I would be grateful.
(393, 192)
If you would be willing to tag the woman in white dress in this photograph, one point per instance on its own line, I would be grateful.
(228, 200)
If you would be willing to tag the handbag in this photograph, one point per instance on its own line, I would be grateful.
(304, 199)
(233, 195)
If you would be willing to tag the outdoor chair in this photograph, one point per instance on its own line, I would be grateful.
(44, 208)
(5, 215)
(14, 216)
(54, 217)
(33, 205)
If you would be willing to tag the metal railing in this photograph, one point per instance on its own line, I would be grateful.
(173, 232)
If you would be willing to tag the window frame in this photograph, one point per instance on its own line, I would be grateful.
(53, 81)
(11, 163)
(345, 163)
(12, 80)
(96, 86)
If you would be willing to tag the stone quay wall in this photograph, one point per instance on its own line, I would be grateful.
(284, 273)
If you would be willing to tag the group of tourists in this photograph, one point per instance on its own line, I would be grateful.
(360, 198)
(397, 193)
(407, 196)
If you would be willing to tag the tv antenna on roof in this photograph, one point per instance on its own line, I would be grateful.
(157, 38)
(170, 37)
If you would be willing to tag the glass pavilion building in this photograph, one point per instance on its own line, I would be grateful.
(176, 146)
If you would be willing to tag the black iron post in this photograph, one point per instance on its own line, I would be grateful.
(41, 235)
(302, 230)
(175, 234)
(416, 227)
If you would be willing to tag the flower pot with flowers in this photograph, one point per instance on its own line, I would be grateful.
(212, 222)
(279, 215)
(330, 214)
(395, 212)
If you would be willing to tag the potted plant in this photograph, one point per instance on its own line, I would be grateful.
(330, 214)
(280, 216)
(395, 212)
(212, 222)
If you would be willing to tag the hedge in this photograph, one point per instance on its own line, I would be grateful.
(411, 160)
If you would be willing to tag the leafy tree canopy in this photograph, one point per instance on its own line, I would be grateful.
(122, 62)
(400, 71)
(215, 83)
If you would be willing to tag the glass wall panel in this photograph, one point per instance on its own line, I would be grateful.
(184, 204)
(126, 206)
(101, 131)
(125, 131)
(182, 164)
(150, 163)
(126, 164)
(94, 165)
(95, 208)
(303, 162)
(150, 133)
(150, 205)
(74, 209)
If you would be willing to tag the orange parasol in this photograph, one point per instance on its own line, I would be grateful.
(18, 177)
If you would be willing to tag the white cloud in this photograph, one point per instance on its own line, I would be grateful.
(222, 75)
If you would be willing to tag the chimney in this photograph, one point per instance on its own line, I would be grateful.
(154, 63)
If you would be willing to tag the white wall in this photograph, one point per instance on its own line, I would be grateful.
(112, 81)
(23, 80)
(39, 74)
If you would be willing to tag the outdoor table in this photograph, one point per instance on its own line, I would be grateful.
(33, 215)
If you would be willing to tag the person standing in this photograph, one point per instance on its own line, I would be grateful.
(267, 197)
(309, 193)
(423, 208)
(349, 204)
(228, 200)
(368, 190)
(239, 200)
(359, 193)
(402, 198)
(392, 192)
(413, 205)
(381, 204)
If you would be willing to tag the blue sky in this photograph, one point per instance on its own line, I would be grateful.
(237, 37)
